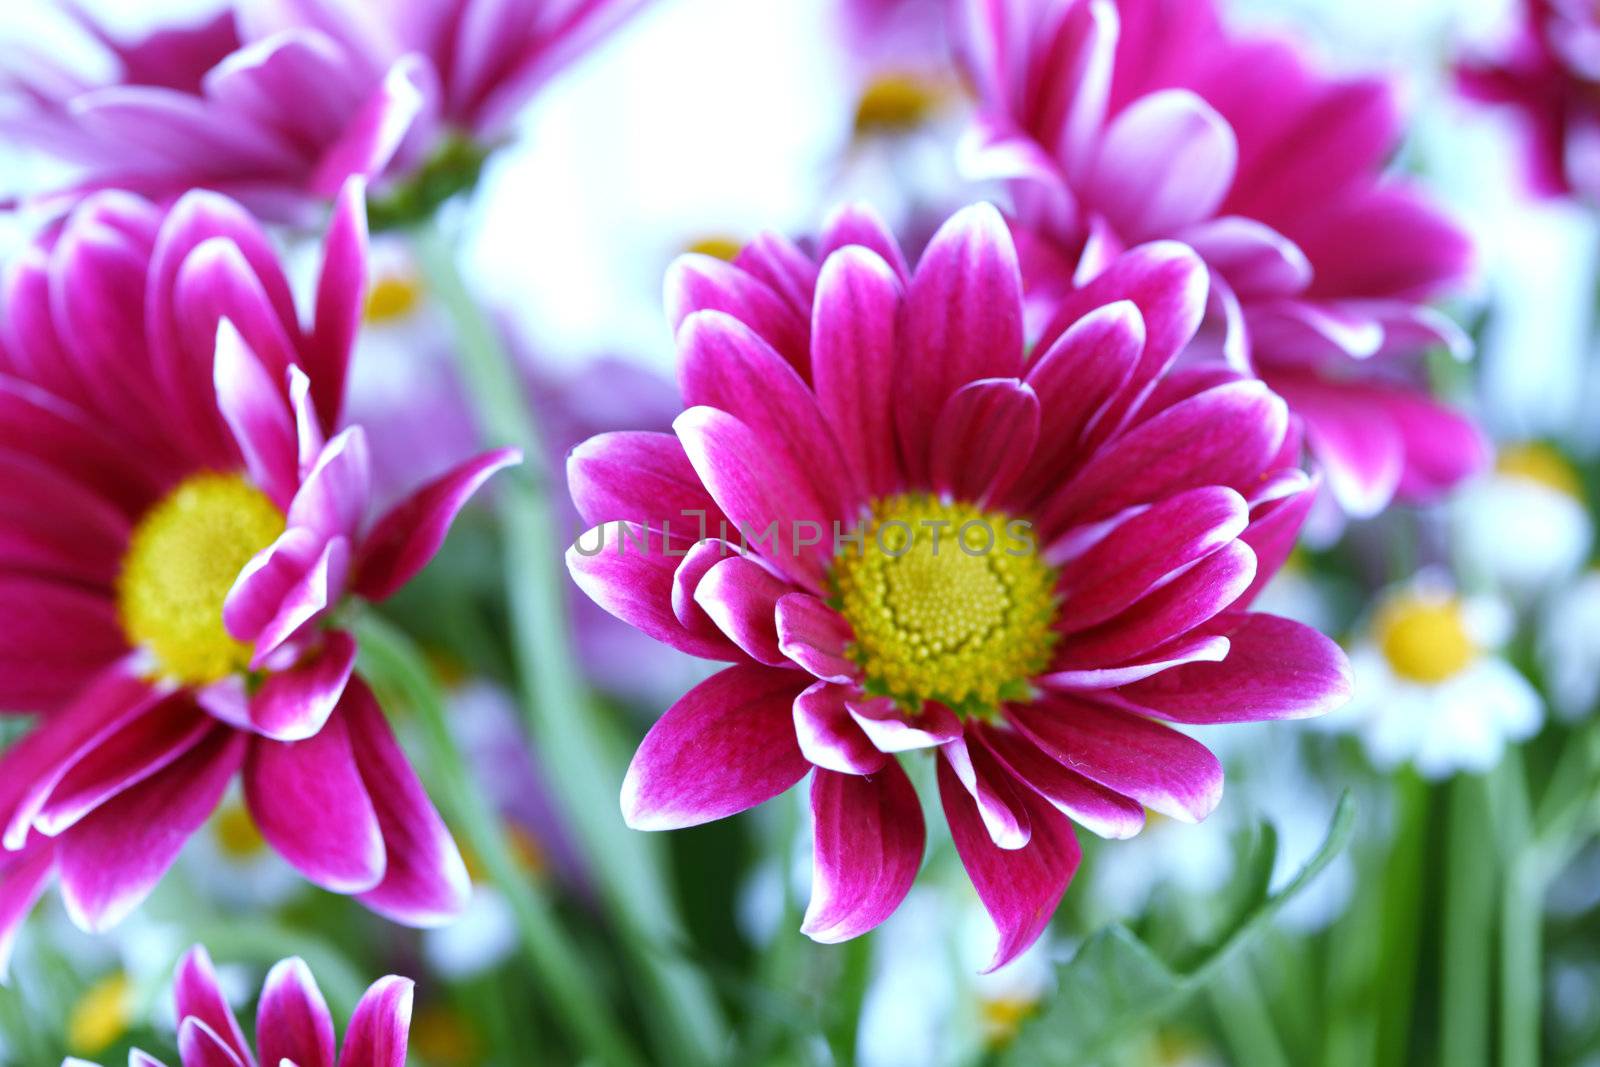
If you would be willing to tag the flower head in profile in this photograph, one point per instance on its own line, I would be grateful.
(1434, 688)
(906, 533)
(1117, 122)
(183, 515)
(1548, 73)
(276, 104)
(293, 1025)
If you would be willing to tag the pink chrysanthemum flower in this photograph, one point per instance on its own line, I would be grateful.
(277, 103)
(1122, 121)
(1105, 519)
(181, 519)
(292, 1022)
(1549, 73)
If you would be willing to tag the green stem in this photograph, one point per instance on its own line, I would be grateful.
(1241, 1009)
(558, 965)
(561, 715)
(1468, 914)
(1521, 921)
(1402, 884)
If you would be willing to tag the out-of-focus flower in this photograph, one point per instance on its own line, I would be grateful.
(292, 1022)
(1548, 71)
(182, 517)
(1569, 647)
(102, 1015)
(1102, 522)
(1431, 686)
(1121, 122)
(279, 103)
(1523, 528)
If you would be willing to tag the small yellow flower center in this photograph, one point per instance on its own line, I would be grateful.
(717, 246)
(1537, 462)
(1002, 1017)
(393, 297)
(182, 559)
(1425, 639)
(101, 1016)
(896, 103)
(236, 833)
(948, 603)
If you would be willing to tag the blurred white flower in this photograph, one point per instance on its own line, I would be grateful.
(1569, 647)
(1431, 686)
(1522, 528)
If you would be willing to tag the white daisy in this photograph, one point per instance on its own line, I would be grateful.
(1523, 528)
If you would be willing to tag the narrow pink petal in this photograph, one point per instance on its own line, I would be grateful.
(55, 638)
(292, 704)
(867, 846)
(292, 1021)
(702, 283)
(198, 995)
(381, 1026)
(691, 571)
(1443, 447)
(859, 224)
(814, 635)
(1356, 440)
(24, 876)
(630, 572)
(1102, 811)
(115, 856)
(642, 477)
(377, 130)
(1165, 162)
(1254, 258)
(1156, 765)
(332, 500)
(854, 327)
(1191, 648)
(310, 803)
(217, 282)
(1275, 669)
(259, 415)
(306, 601)
(406, 538)
(1020, 888)
(1142, 550)
(741, 597)
(1274, 529)
(984, 438)
(962, 321)
(425, 882)
(893, 730)
(727, 745)
(341, 302)
(1001, 807)
(201, 1046)
(762, 492)
(829, 736)
(257, 595)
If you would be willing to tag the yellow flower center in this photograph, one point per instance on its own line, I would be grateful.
(100, 1016)
(1425, 639)
(896, 103)
(393, 297)
(1537, 462)
(948, 603)
(236, 833)
(184, 556)
(717, 246)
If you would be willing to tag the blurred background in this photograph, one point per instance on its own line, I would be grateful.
(1465, 900)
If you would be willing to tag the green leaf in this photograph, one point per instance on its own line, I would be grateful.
(1116, 987)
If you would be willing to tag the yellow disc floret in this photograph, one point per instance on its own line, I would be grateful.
(1539, 463)
(184, 556)
(948, 603)
(1425, 638)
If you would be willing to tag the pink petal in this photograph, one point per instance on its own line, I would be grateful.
(1357, 442)
(853, 343)
(1162, 769)
(813, 635)
(984, 438)
(1142, 550)
(341, 302)
(406, 538)
(1274, 528)
(425, 882)
(292, 1022)
(24, 876)
(306, 601)
(741, 597)
(1000, 804)
(292, 704)
(308, 799)
(1102, 811)
(257, 595)
(200, 1046)
(1020, 888)
(381, 1026)
(858, 224)
(686, 579)
(639, 476)
(54, 639)
(629, 571)
(893, 730)
(259, 416)
(868, 839)
(1254, 258)
(962, 321)
(1190, 648)
(1275, 669)
(723, 364)
(198, 995)
(375, 133)
(703, 283)
(829, 736)
(111, 859)
(332, 500)
(1165, 162)
(726, 746)
(217, 282)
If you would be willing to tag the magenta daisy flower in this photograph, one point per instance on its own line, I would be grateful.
(1118, 122)
(917, 535)
(277, 103)
(1549, 74)
(293, 1025)
(181, 517)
